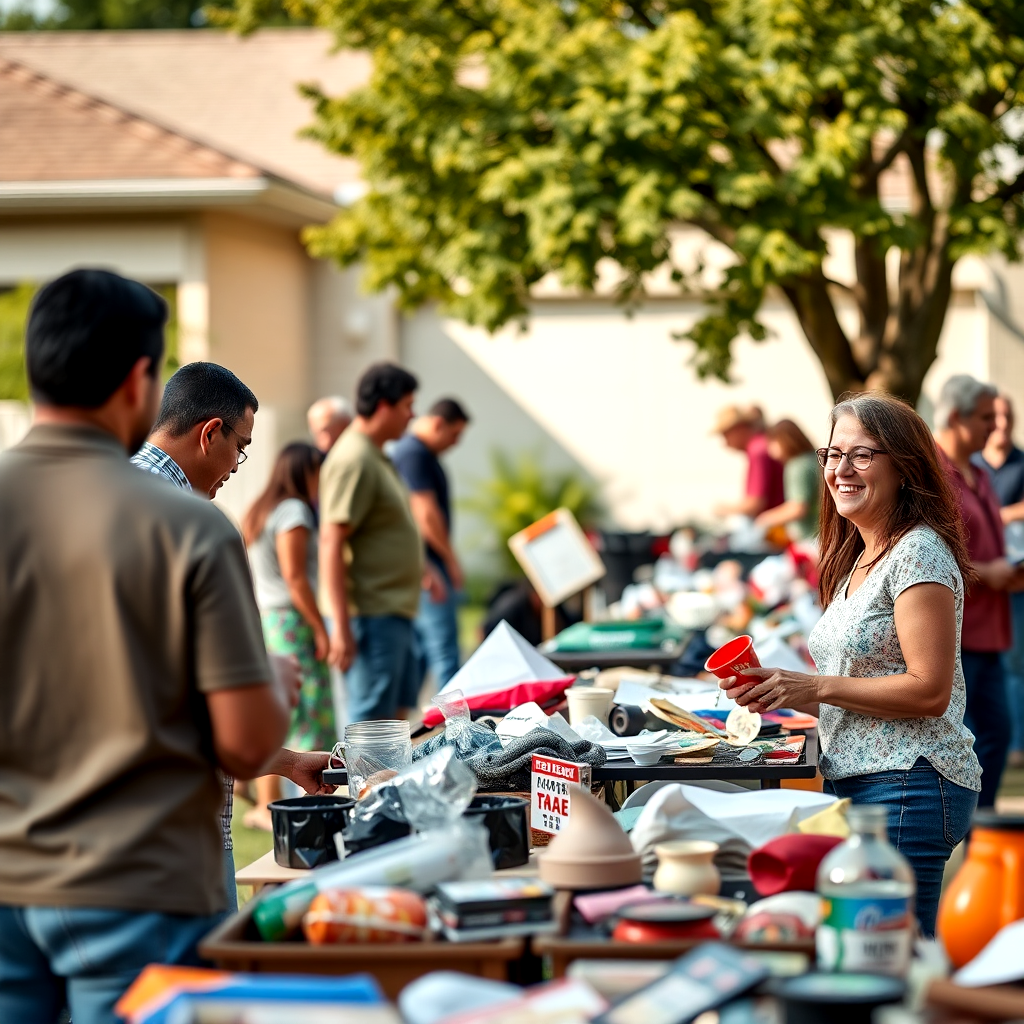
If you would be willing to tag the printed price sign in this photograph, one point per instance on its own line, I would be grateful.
(551, 784)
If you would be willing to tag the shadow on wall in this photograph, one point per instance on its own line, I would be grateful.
(498, 423)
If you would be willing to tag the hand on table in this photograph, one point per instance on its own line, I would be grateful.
(305, 769)
(772, 688)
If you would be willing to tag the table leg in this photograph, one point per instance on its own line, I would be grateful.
(609, 795)
(771, 784)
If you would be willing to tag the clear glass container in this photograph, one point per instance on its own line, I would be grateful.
(373, 747)
(868, 890)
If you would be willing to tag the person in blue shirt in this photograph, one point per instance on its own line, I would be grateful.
(415, 457)
(1005, 464)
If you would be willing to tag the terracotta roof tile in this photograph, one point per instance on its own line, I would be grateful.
(49, 132)
(237, 94)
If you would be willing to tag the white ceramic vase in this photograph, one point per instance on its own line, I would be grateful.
(687, 868)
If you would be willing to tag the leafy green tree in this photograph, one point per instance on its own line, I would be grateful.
(125, 14)
(14, 306)
(503, 140)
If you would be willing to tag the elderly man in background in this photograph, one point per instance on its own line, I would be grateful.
(965, 416)
(198, 441)
(416, 457)
(1004, 462)
(742, 430)
(327, 419)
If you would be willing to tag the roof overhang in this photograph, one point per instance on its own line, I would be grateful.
(265, 196)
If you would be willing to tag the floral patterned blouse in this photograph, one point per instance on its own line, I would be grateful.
(856, 637)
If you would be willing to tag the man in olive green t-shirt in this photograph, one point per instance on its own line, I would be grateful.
(371, 553)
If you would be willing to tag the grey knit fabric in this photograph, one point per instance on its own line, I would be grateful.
(509, 769)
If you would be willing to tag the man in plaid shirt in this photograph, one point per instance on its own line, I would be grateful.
(199, 439)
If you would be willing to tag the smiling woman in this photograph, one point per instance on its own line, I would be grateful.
(890, 691)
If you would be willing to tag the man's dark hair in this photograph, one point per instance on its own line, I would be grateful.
(86, 330)
(199, 392)
(449, 410)
(383, 382)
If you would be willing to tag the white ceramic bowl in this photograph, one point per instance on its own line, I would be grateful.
(647, 757)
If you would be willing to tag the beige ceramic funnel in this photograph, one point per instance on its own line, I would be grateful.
(591, 852)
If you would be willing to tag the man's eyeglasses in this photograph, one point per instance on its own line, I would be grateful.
(859, 457)
(242, 453)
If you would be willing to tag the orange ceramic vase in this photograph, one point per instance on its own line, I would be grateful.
(988, 890)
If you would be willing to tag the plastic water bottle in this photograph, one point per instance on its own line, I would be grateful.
(868, 891)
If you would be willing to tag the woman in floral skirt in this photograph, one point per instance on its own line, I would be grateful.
(281, 533)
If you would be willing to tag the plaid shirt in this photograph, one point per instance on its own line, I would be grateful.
(157, 461)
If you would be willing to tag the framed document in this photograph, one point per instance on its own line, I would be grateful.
(557, 557)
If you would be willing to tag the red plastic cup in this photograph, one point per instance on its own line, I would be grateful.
(733, 658)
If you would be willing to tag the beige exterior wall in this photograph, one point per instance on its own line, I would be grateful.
(257, 281)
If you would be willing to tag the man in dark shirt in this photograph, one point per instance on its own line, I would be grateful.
(1004, 462)
(416, 458)
(964, 419)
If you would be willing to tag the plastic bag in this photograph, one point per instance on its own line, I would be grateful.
(433, 793)
(461, 733)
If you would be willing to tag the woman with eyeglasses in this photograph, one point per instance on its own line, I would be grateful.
(280, 530)
(889, 692)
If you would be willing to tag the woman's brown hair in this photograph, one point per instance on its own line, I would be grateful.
(288, 479)
(925, 497)
(791, 437)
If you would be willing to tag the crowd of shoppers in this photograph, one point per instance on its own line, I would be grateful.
(191, 652)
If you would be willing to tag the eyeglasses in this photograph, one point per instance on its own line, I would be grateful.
(242, 453)
(859, 457)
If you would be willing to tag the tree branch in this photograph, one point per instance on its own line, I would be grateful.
(1012, 189)
(876, 167)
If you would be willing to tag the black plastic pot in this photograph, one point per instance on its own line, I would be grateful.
(836, 998)
(507, 821)
(304, 828)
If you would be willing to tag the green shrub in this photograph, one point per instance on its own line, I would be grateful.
(520, 491)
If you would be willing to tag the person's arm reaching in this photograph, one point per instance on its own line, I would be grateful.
(925, 617)
(333, 572)
(781, 515)
(434, 530)
(250, 722)
(292, 546)
(1012, 513)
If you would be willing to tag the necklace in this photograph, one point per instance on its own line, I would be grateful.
(867, 565)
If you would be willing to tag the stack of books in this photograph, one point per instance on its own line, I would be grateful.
(493, 909)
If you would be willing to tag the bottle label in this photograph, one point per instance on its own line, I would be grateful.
(865, 933)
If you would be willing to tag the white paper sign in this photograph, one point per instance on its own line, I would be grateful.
(552, 782)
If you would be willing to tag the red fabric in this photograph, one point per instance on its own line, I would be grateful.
(505, 700)
(789, 863)
(987, 624)
(764, 474)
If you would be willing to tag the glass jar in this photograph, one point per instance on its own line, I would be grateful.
(868, 890)
(373, 747)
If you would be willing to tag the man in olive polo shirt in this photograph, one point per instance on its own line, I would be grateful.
(133, 666)
(371, 553)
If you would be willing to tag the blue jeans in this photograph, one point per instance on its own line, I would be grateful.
(84, 958)
(1013, 664)
(438, 631)
(928, 816)
(387, 672)
(988, 717)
